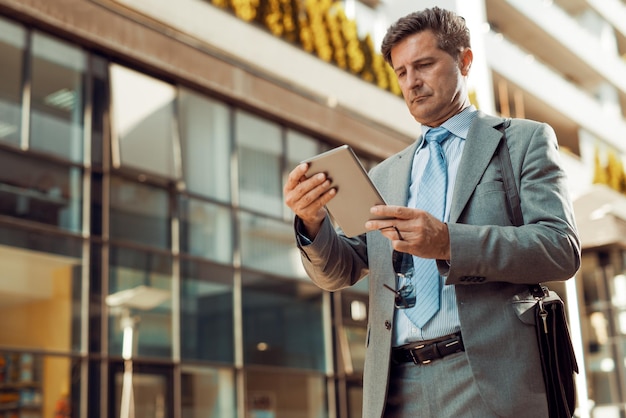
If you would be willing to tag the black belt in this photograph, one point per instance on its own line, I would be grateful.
(423, 352)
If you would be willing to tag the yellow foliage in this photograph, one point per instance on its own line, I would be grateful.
(615, 171)
(245, 9)
(599, 175)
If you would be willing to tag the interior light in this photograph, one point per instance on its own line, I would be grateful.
(358, 310)
(607, 364)
(619, 291)
(62, 99)
(262, 346)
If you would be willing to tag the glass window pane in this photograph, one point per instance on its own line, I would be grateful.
(38, 386)
(206, 145)
(259, 149)
(151, 390)
(140, 302)
(300, 147)
(139, 213)
(40, 191)
(206, 301)
(40, 291)
(285, 395)
(273, 316)
(208, 393)
(269, 245)
(206, 230)
(12, 42)
(143, 121)
(57, 97)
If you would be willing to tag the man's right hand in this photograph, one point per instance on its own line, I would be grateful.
(307, 197)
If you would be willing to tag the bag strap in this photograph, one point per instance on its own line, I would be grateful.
(508, 178)
(512, 195)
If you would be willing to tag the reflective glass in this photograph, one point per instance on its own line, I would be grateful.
(206, 230)
(151, 391)
(40, 291)
(269, 245)
(206, 317)
(139, 213)
(33, 385)
(208, 393)
(57, 95)
(142, 120)
(40, 191)
(259, 147)
(140, 302)
(206, 145)
(12, 43)
(282, 323)
(285, 395)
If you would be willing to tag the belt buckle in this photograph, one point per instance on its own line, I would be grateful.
(426, 349)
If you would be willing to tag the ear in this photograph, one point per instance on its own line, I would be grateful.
(466, 57)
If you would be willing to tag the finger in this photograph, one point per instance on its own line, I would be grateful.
(295, 177)
(392, 211)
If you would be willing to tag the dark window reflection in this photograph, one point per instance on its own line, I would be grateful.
(285, 395)
(282, 323)
(206, 230)
(206, 312)
(40, 191)
(139, 213)
(57, 97)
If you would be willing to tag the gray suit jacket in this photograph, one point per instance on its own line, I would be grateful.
(491, 261)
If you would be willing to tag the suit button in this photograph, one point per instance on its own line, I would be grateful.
(388, 324)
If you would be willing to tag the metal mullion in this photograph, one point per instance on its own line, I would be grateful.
(26, 92)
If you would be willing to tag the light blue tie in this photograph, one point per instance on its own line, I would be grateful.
(431, 197)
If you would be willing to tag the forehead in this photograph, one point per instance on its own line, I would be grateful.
(416, 46)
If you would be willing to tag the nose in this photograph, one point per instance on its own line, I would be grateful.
(413, 79)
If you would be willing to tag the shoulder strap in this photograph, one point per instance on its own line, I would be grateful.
(512, 196)
(508, 178)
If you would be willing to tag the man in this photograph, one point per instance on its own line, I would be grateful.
(486, 362)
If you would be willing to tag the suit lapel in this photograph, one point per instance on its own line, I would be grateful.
(480, 146)
(397, 182)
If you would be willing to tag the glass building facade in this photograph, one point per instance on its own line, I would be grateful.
(142, 220)
(142, 224)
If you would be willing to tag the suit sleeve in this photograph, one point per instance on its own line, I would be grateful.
(546, 247)
(332, 260)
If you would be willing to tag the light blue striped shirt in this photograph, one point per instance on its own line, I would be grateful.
(446, 321)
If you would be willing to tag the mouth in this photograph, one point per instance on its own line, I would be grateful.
(417, 99)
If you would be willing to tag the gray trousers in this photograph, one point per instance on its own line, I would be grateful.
(443, 389)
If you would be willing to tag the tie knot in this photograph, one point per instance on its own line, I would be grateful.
(437, 134)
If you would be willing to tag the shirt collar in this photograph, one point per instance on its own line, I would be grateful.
(459, 124)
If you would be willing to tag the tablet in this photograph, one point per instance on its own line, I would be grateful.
(356, 194)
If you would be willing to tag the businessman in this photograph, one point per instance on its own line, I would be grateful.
(442, 338)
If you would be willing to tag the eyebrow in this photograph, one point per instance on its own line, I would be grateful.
(417, 61)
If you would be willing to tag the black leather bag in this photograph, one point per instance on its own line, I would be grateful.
(558, 361)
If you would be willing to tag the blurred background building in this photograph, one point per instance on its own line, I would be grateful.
(143, 149)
